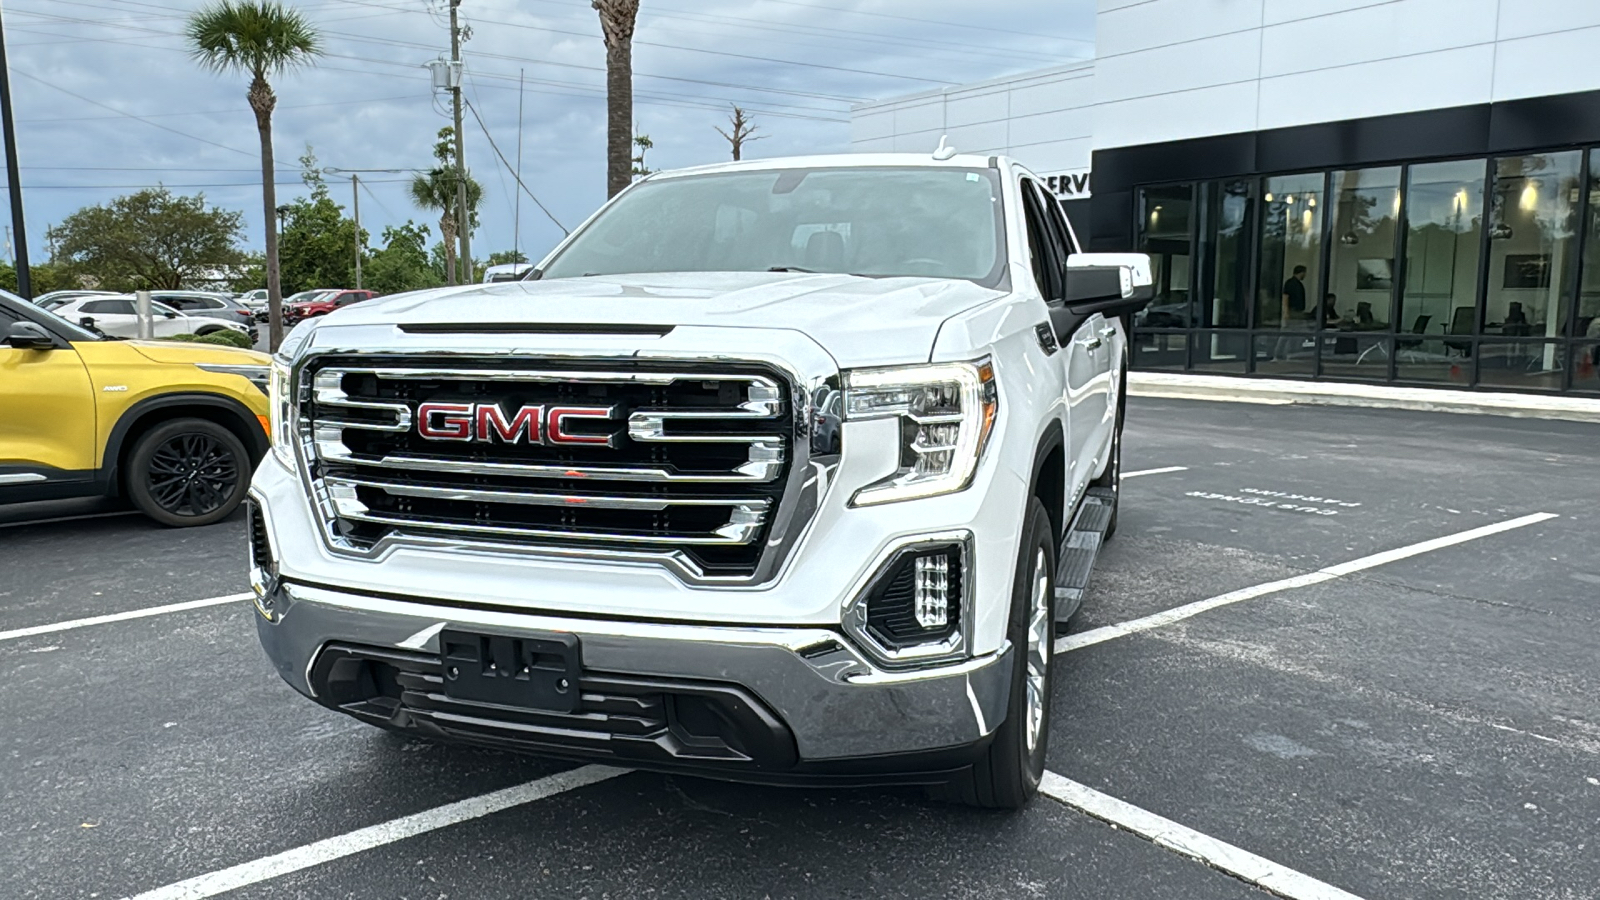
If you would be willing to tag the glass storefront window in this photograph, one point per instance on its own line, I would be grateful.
(1290, 354)
(1225, 249)
(1290, 286)
(1444, 230)
(1528, 365)
(1361, 260)
(1220, 352)
(1166, 226)
(1588, 322)
(1356, 357)
(1533, 244)
(1160, 351)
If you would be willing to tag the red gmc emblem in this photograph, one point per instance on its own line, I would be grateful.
(534, 424)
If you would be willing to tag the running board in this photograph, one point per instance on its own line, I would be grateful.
(1075, 565)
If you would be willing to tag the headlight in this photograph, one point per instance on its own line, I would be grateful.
(256, 374)
(280, 399)
(946, 412)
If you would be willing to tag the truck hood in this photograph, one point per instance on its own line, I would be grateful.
(859, 321)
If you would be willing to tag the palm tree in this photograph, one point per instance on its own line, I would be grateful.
(257, 38)
(436, 190)
(616, 23)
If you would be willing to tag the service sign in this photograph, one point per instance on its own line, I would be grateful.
(1069, 185)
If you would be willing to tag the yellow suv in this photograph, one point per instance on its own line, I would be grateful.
(175, 428)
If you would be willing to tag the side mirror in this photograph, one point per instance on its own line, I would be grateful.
(29, 336)
(169, 315)
(1115, 284)
(87, 322)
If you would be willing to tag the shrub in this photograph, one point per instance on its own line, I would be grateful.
(225, 337)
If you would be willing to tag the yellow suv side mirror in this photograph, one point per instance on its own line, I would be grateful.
(29, 336)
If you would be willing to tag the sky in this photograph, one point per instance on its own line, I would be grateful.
(107, 100)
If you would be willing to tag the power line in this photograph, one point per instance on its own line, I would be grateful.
(217, 184)
(962, 25)
(88, 100)
(591, 36)
(216, 112)
(514, 174)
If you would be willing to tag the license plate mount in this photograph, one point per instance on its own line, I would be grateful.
(529, 671)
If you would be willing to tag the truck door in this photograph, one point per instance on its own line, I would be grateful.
(1080, 367)
(1103, 344)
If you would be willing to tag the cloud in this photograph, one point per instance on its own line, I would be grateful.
(107, 99)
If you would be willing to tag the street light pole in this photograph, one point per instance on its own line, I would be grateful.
(14, 177)
(355, 204)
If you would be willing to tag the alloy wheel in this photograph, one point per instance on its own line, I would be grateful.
(192, 475)
(1038, 660)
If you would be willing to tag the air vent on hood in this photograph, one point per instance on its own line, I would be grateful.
(533, 328)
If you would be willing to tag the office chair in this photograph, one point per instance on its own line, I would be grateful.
(1420, 327)
(1463, 320)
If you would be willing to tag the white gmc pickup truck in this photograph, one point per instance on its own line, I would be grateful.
(781, 471)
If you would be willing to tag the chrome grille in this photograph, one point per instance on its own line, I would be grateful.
(694, 464)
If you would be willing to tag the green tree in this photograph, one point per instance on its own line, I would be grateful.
(644, 143)
(404, 263)
(317, 247)
(44, 278)
(436, 191)
(149, 239)
(257, 38)
(507, 257)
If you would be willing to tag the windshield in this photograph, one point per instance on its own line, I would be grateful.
(65, 328)
(307, 296)
(876, 221)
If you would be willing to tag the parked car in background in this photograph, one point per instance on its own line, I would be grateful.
(255, 301)
(205, 303)
(506, 272)
(176, 428)
(57, 298)
(117, 316)
(323, 304)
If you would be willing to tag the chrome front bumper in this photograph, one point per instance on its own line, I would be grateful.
(836, 704)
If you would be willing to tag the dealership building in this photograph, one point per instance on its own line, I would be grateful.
(1346, 190)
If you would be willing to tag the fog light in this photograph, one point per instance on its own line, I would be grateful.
(913, 610)
(933, 590)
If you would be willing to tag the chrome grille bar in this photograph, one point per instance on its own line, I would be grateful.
(530, 498)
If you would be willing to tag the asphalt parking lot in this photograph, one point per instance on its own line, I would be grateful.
(1328, 650)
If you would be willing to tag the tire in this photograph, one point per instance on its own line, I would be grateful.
(1007, 775)
(188, 472)
(1112, 476)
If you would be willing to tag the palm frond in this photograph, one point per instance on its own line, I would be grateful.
(257, 37)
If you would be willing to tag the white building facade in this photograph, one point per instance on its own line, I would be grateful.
(1404, 191)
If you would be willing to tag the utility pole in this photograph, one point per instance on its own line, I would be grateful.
(355, 202)
(355, 205)
(14, 177)
(464, 216)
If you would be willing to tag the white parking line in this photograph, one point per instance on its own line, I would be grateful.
(1263, 873)
(1189, 610)
(324, 851)
(121, 616)
(1161, 471)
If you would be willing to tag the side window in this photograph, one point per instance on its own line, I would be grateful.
(107, 308)
(346, 299)
(1042, 251)
(1062, 226)
(7, 319)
